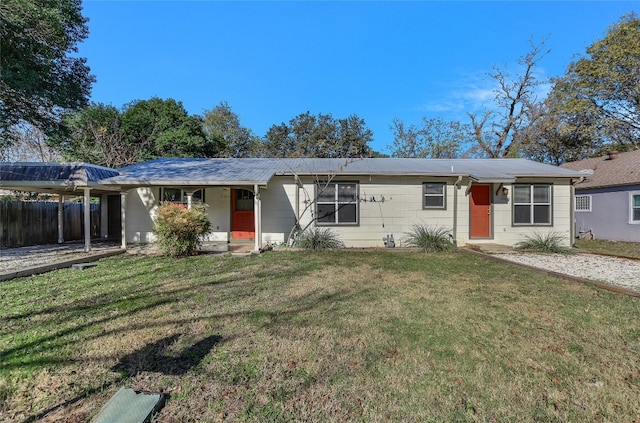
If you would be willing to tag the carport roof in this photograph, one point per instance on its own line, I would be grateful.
(53, 177)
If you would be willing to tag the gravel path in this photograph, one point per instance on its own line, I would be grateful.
(14, 259)
(612, 270)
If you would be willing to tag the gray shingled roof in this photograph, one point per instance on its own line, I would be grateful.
(259, 171)
(622, 170)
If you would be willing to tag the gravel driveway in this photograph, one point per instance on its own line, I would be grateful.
(611, 270)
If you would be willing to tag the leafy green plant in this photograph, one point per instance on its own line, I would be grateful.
(550, 242)
(429, 238)
(319, 239)
(180, 230)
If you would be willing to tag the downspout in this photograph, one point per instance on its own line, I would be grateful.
(572, 212)
(456, 186)
(296, 181)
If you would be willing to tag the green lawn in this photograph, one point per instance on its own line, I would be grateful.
(367, 336)
(618, 248)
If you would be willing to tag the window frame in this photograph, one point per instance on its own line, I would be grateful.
(443, 195)
(576, 202)
(337, 203)
(183, 197)
(532, 204)
(633, 221)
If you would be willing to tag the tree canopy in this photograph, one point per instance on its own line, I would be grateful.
(142, 130)
(222, 127)
(41, 79)
(596, 104)
(308, 135)
(435, 138)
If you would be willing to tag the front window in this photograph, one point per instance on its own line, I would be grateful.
(434, 195)
(177, 195)
(634, 210)
(337, 203)
(583, 203)
(531, 204)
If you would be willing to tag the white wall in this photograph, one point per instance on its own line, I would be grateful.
(388, 205)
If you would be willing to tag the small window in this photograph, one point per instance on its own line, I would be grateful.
(583, 203)
(531, 204)
(634, 207)
(434, 195)
(177, 195)
(337, 203)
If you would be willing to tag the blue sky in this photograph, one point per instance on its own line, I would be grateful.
(379, 60)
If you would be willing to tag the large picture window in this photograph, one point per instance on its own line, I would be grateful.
(434, 195)
(177, 195)
(634, 207)
(337, 203)
(531, 204)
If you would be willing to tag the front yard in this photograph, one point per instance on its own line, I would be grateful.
(345, 336)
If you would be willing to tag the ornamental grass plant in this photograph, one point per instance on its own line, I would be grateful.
(319, 239)
(550, 242)
(429, 238)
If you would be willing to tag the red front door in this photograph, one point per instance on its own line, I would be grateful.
(480, 211)
(242, 220)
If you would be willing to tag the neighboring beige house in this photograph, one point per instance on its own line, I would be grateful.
(363, 200)
(607, 202)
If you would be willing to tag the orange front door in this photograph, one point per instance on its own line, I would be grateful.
(242, 219)
(480, 211)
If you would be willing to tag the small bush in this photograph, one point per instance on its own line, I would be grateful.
(429, 238)
(319, 239)
(180, 231)
(550, 242)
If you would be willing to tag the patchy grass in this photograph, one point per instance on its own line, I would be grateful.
(334, 336)
(618, 248)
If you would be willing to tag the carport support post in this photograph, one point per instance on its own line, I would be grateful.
(257, 218)
(87, 220)
(60, 219)
(123, 223)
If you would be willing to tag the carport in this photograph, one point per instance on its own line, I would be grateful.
(63, 179)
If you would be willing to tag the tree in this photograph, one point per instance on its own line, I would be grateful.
(143, 130)
(435, 138)
(222, 127)
(41, 80)
(307, 135)
(599, 92)
(163, 128)
(95, 136)
(497, 132)
(30, 146)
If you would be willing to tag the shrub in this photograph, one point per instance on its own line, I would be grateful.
(319, 239)
(429, 238)
(550, 242)
(180, 231)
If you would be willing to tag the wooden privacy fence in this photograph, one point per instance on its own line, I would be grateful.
(24, 223)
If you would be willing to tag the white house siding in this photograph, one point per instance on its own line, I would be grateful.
(397, 207)
(388, 206)
(141, 210)
(218, 201)
(504, 232)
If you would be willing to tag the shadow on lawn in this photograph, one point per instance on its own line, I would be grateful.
(159, 357)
